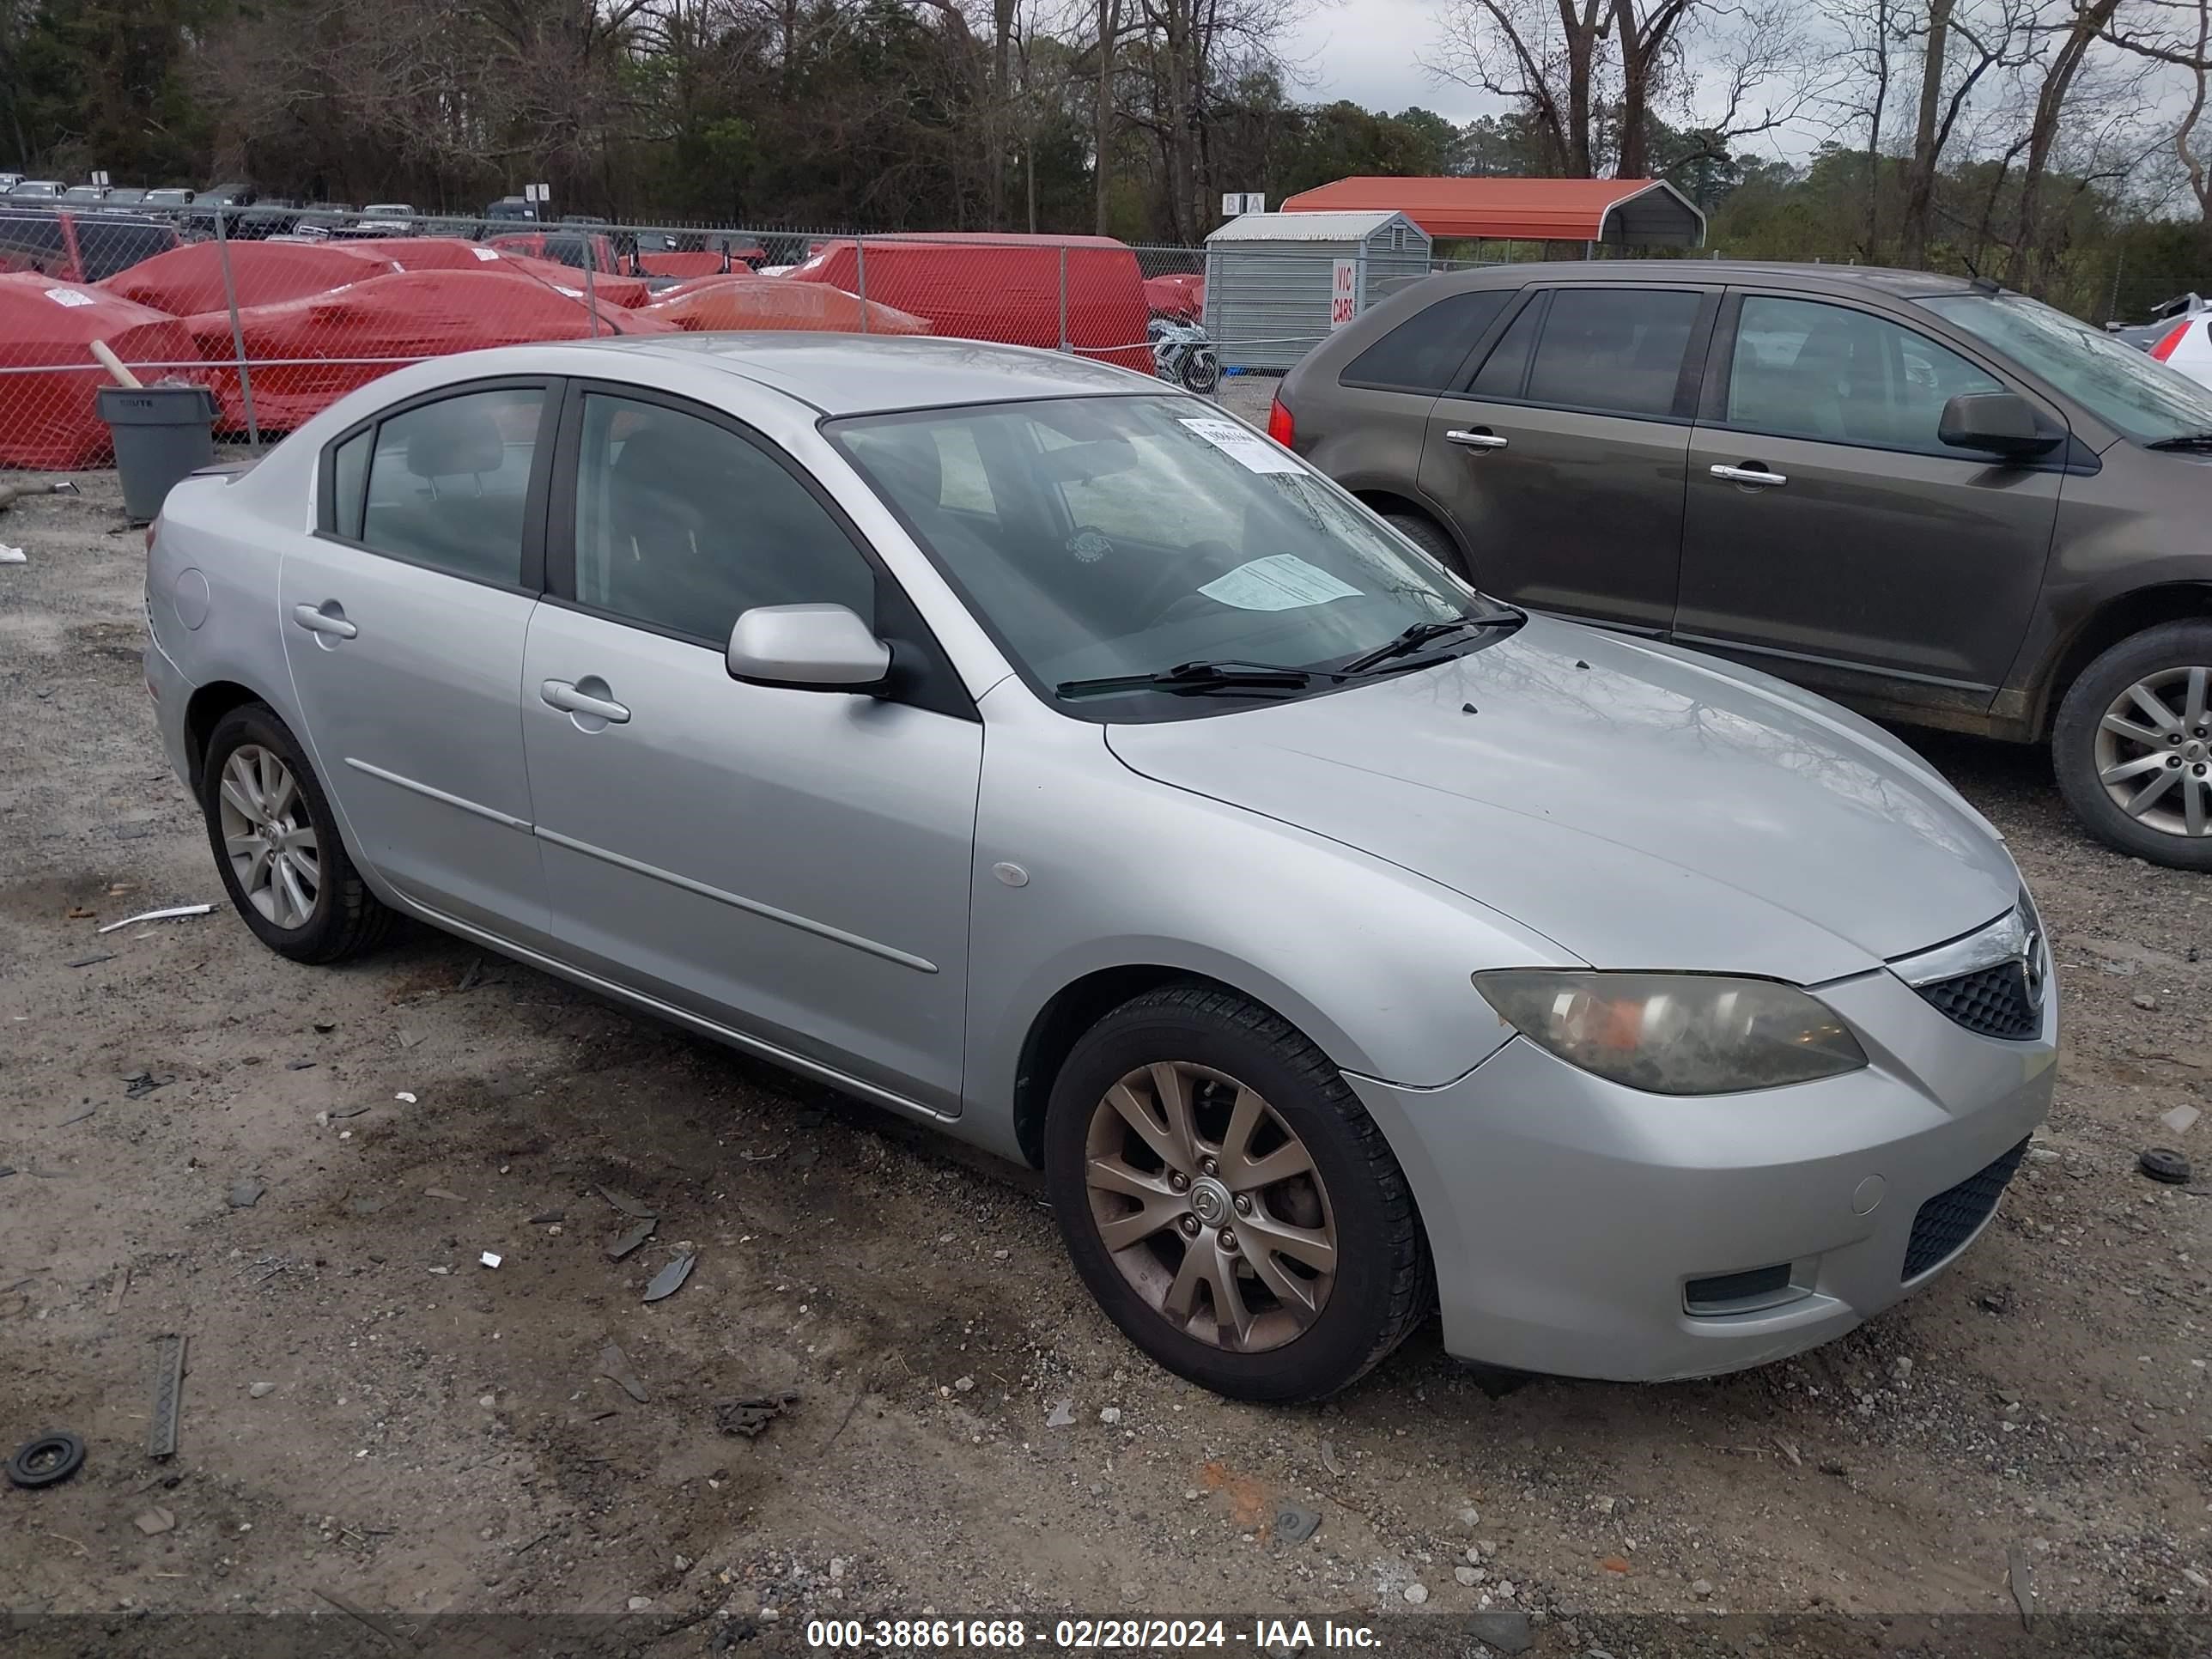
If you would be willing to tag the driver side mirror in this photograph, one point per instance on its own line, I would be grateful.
(2002, 422)
(806, 648)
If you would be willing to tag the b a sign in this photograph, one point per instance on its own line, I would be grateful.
(1343, 292)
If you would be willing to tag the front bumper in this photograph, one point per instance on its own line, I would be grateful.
(1567, 1215)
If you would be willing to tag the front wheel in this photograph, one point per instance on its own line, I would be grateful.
(1429, 536)
(2132, 746)
(276, 843)
(1228, 1200)
(1202, 371)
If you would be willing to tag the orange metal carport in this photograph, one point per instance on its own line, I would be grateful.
(1617, 212)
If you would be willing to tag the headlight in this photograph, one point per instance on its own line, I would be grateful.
(1675, 1034)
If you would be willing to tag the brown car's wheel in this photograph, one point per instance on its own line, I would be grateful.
(2132, 746)
(276, 843)
(1429, 537)
(1229, 1201)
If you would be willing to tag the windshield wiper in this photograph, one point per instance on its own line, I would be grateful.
(1190, 677)
(2186, 440)
(1420, 633)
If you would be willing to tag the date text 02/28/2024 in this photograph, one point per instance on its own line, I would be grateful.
(1081, 1634)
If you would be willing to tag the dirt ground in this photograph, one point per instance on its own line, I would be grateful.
(371, 1418)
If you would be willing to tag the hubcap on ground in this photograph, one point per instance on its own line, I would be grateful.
(2154, 751)
(268, 836)
(1210, 1206)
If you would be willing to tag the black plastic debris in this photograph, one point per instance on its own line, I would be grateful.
(614, 1365)
(87, 961)
(168, 1396)
(245, 1195)
(46, 1461)
(299, 1065)
(628, 1205)
(1294, 1525)
(629, 1240)
(139, 1087)
(2164, 1164)
(748, 1416)
(670, 1279)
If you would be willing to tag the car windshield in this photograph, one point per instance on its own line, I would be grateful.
(1121, 537)
(2125, 388)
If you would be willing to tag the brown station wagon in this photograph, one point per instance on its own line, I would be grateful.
(1937, 500)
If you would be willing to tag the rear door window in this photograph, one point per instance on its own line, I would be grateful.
(449, 483)
(1616, 350)
(1424, 352)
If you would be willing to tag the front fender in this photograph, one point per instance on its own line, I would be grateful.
(1370, 961)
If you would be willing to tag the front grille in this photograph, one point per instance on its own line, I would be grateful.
(1991, 1002)
(1947, 1220)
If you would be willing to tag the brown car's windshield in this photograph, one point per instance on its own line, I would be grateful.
(2127, 389)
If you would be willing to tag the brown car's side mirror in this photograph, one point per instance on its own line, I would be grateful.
(2002, 422)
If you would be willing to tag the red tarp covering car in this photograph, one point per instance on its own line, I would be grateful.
(770, 302)
(680, 264)
(983, 285)
(305, 354)
(429, 252)
(189, 279)
(453, 253)
(48, 419)
(1181, 295)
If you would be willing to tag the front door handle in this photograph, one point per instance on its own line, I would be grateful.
(1474, 440)
(1750, 475)
(564, 695)
(316, 620)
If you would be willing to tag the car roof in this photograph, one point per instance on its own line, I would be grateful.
(860, 374)
(1864, 279)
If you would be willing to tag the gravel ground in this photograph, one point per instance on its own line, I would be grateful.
(372, 1416)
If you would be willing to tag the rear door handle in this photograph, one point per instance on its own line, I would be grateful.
(319, 621)
(563, 695)
(1475, 440)
(1750, 475)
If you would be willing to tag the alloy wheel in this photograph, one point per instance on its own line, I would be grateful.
(268, 838)
(2154, 751)
(1210, 1206)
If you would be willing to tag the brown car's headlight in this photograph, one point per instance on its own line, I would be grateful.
(1675, 1034)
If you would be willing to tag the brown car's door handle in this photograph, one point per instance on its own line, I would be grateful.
(1750, 475)
(1474, 440)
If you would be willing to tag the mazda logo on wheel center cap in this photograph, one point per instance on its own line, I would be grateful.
(1209, 1200)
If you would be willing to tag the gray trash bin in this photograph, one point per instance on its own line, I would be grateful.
(161, 433)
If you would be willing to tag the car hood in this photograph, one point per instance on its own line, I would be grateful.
(1641, 806)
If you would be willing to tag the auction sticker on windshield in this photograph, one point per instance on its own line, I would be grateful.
(1247, 448)
(1283, 581)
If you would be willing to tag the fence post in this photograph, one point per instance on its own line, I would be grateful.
(1063, 296)
(860, 264)
(237, 330)
(591, 288)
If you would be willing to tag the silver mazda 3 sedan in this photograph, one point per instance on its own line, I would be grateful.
(1037, 751)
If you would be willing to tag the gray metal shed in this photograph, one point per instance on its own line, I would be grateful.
(1270, 278)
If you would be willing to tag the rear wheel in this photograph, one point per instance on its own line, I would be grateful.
(2132, 746)
(1229, 1202)
(276, 843)
(1429, 536)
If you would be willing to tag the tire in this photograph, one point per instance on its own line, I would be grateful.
(344, 919)
(2082, 749)
(1429, 536)
(1378, 1287)
(1202, 371)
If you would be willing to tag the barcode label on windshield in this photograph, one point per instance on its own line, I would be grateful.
(1248, 449)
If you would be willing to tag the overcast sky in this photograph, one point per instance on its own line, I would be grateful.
(1365, 51)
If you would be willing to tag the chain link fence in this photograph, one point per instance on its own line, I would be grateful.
(282, 310)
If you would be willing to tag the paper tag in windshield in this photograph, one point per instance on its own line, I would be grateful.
(1248, 449)
(1282, 582)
